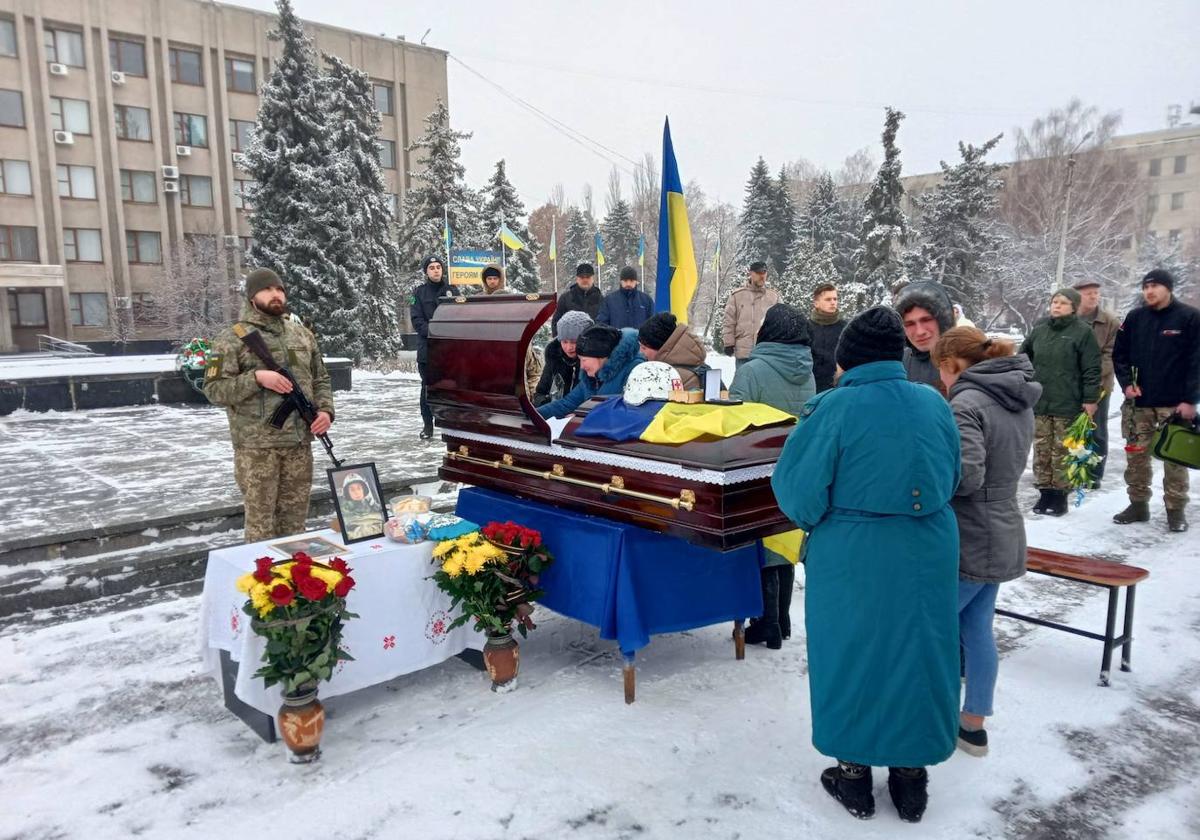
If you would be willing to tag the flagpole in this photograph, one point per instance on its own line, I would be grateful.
(554, 247)
(446, 227)
(503, 260)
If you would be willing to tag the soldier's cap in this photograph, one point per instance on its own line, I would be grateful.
(259, 279)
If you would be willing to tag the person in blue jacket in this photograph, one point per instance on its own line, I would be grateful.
(869, 473)
(606, 356)
(627, 306)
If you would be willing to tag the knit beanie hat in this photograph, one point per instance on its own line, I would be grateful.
(572, 325)
(433, 259)
(1160, 276)
(629, 273)
(930, 296)
(1069, 294)
(876, 335)
(784, 324)
(597, 341)
(259, 279)
(657, 329)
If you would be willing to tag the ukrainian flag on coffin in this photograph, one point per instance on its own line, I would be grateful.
(676, 276)
(656, 421)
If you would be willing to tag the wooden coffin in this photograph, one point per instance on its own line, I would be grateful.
(713, 492)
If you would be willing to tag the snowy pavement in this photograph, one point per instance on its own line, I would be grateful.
(70, 470)
(112, 729)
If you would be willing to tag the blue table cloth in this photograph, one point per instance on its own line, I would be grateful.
(628, 581)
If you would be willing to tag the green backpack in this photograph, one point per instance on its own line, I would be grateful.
(1178, 442)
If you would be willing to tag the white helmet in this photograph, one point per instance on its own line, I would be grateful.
(651, 381)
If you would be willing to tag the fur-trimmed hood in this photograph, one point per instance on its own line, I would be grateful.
(930, 296)
(621, 358)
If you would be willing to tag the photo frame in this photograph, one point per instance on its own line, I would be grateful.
(358, 499)
(316, 547)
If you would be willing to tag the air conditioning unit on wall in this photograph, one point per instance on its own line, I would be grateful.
(170, 186)
(183, 151)
(64, 138)
(118, 78)
(57, 69)
(231, 241)
(170, 171)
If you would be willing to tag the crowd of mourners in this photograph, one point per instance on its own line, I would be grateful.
(914, 428)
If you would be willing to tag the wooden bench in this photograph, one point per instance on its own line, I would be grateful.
(1103, 573)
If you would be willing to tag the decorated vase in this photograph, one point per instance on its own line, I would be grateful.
(301, 721)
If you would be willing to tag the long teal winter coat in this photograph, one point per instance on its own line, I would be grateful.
(779, 375)
(869, 472)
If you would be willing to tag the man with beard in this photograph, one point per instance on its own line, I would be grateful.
(273, 467)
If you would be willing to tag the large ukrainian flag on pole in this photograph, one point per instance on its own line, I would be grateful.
(676, 277)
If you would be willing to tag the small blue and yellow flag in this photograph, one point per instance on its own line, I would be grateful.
(554, 240)
(641, 251)
(599, 249)
(676, 276)
(509, 238)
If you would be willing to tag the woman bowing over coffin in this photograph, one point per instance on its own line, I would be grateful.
(869, 473)
(606, 356)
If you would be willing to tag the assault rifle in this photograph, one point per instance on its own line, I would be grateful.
(294, 401)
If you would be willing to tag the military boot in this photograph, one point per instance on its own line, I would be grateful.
(1057, 505)
(1136, 512)
(1043, 502)
(1176, 521)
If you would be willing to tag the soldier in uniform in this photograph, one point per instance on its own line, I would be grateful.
(273, 467)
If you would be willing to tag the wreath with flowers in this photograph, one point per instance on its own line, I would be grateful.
(298, 606)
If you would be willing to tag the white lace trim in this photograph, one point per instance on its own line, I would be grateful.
(632, 462)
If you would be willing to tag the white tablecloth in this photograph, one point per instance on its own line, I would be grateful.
(401, 626)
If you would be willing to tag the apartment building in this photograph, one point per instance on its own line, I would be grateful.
(119, 125)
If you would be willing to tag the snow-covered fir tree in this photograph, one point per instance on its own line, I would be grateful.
(755, 239)
(375, 259)
(300, 225)
(884, 226)
(503, 205)
(807, 269)
(438, 188)
(579, 243)
(620, 240)
(826, 219)
(959, 226)
(782, 222)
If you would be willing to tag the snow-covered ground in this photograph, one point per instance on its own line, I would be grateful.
(110, 728)
(70, 470)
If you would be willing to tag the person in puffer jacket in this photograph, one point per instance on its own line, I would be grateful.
(606, 356)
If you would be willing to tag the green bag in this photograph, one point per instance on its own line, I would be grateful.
(1178, 442)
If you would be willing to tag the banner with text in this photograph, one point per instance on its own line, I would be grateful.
(466, 266)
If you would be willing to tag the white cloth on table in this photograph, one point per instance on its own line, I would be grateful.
(401, 628)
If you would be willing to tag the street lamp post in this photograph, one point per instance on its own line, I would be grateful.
(1062, 239)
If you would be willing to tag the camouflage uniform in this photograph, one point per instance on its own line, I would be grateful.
(1139, 425)
(273, 467)
(1048, 452)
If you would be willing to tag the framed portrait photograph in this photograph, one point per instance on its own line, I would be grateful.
(318, 548)
(359, 502)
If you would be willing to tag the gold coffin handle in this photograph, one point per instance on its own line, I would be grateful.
(686, 500)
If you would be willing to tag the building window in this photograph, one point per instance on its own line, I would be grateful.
(185, 66)
(18, 244)
(27, 309)
(241, 193)
(239, 75)
(1180, 164)
(195, 190)
(89, 309)
(128, 57)
(76, 181)
(64, 47)
(1152, 204)
(138, 186)
(387, 154)
(82, 245)
(143, 246)
(1155, 167)
(8, 37)
(383, 98)
(394, 205)
(240, 132)
(14, 177)
(1177, 201)
(133, 123)
(12, 108)
(191, 130)
(70, 115)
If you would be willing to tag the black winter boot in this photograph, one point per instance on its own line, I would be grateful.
(850, 784)
(1058, 503)
(787, 582)
(1136, 512)
(1043, 503)
(765, 630)
(427, 432)
(1176, 522)
(909, 787)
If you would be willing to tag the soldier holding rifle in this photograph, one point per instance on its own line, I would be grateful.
(268, 373)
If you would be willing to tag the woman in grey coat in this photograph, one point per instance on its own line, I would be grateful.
(992, 394)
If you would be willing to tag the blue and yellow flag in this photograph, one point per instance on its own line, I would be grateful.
(509, 238)
(641, 251)
(599, 249)
(677, 277)
(553, 240)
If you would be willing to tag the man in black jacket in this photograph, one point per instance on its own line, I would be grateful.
(422, 304)
(826, 326)
(580, 296)
(1157, 362)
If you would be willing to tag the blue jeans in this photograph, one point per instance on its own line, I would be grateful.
(976, 611)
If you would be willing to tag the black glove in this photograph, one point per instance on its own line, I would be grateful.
(729, 351)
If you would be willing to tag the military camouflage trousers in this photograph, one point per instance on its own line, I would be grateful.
(275, 485)
(1138, 425)
(1048, 452)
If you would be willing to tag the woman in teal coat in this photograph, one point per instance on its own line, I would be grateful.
(869, 472)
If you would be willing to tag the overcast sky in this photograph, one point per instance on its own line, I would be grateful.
(782, 80)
